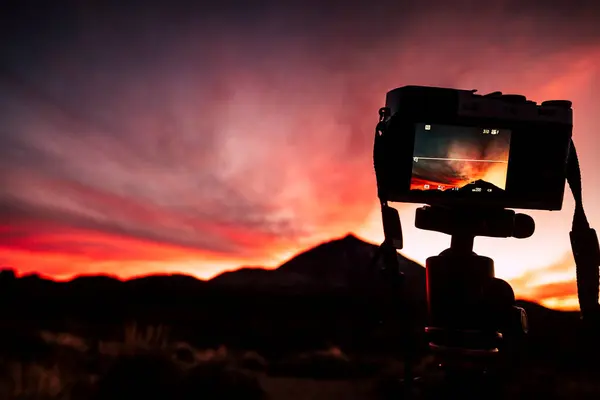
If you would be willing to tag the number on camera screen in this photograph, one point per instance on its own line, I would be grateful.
(460, 159)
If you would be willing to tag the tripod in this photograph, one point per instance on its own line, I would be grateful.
(473, 323)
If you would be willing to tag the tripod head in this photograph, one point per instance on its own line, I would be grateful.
(471, 314)
(470, 222)
(470, 310)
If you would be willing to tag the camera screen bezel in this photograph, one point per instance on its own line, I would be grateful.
(534, 144)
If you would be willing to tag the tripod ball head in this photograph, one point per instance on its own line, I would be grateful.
(524, 226)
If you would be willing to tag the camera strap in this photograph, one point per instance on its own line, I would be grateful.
(584, 243)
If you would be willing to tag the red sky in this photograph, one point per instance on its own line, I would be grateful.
(194, 141)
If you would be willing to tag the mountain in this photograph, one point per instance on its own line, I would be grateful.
(482, 185)
(347, 261)
(345, 264)
(261, 279)
(342, 264)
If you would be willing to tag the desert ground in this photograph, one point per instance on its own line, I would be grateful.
(146, 363)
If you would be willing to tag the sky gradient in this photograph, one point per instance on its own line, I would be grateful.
(142, 138)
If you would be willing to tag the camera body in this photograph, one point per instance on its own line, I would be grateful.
(456, 148)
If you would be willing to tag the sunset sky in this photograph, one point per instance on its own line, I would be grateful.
(143, 138)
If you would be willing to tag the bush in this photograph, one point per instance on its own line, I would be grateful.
(144, 376)
(328, 364)
(253, 361)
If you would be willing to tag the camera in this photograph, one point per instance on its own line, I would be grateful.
(457, 148)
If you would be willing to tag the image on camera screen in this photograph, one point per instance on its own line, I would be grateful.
(460, 159)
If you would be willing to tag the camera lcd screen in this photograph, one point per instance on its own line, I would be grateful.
(460, 159)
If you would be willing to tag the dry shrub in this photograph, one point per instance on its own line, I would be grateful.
(253, 361)
(65, 340)
(137, 339)
(219, 355)
(32, 380)
(330, 363)
(146, 337)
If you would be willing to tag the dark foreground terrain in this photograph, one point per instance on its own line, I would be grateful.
(322, 326)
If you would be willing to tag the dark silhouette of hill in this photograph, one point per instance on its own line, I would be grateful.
(330, 293)
(346, 262)
(480, 183)
(344, 265)
(257, 278)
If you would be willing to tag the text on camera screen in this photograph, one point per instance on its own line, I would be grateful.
(459, 159)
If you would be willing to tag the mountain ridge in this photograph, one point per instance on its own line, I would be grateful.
(333, 292)
(348, 240)
(343, 262)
